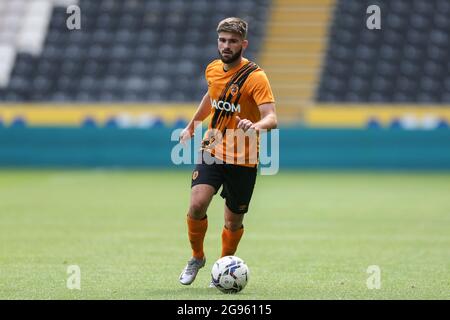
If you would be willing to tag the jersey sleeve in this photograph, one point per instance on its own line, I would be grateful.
(207, 71)
(210, 69)
(260, 88)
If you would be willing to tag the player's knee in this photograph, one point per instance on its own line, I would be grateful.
(197, 210)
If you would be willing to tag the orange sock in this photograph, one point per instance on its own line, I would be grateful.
(230, 241)
(196, 232)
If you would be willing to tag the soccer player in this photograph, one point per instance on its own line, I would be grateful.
(239, 98)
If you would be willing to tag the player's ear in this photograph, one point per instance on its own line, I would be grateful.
(245, 44)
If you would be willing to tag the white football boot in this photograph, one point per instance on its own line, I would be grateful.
(190, 271)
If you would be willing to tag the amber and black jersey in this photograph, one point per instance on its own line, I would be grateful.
(236, 92)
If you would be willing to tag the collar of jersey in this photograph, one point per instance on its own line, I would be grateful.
(243, 61)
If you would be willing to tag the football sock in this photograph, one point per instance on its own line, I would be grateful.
(196, 232)
(230, 240)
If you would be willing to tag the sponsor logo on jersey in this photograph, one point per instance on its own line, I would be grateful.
(227, 106)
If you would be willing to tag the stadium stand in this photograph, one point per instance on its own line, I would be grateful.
(346, 96)
(145, 58)
(126, 51)
(293, 49)
(407, 61)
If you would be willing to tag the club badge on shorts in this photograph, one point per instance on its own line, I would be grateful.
(194, 175)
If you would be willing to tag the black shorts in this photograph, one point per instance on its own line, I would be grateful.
(238, 183)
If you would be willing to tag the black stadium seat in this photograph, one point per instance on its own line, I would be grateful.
(407, 61)
(134, 51)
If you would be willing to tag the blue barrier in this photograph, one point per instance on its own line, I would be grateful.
(299, 148)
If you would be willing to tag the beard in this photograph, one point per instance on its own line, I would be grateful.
(232, 58)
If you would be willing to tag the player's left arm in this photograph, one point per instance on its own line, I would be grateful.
(268, 119)
(263, 97)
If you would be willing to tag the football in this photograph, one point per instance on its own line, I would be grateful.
(230, 274)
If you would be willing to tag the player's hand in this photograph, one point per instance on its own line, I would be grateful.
(244, 124)
(185, 135)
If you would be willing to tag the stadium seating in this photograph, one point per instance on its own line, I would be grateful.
(407, 61)
(292, 52)
(126, 51)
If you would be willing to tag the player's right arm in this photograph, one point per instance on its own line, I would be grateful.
(203, 111)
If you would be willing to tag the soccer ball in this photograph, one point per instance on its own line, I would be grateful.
(230, 274)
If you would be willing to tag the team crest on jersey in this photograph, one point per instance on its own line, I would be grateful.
(234, 89)
(194, 175)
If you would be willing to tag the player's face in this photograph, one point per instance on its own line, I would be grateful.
(230, 46)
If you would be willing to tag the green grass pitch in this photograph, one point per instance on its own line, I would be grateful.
(308, 235)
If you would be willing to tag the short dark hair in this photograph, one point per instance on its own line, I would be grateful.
(233, 25)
